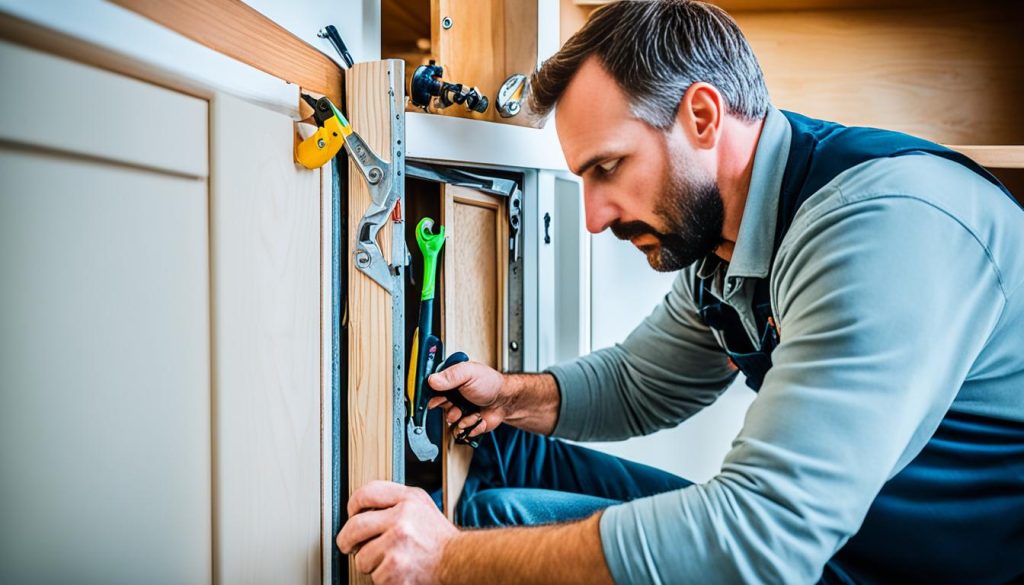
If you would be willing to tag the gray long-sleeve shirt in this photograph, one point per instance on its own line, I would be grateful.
(897, 293)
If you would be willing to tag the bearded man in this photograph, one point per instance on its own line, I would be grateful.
(868, 285)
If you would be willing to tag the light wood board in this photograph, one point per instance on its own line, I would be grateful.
(475, 272)
(370, 377)
(949, 74)
(265, 252)
(243, 33)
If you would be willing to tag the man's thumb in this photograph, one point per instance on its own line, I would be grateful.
(450, 378)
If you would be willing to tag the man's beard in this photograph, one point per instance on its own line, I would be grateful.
(693, 214)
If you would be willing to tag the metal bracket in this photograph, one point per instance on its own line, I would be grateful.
(385, 191)
(493, 185)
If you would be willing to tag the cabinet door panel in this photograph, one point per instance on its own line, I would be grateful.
(475, 273)
(104, 374)
(265, 241)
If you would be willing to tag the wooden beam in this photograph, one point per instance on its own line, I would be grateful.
(233, 28)
(370, 375)
(994, 156)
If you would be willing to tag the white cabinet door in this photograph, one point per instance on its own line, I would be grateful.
(265, 246)
(105, 451)
(104, 374)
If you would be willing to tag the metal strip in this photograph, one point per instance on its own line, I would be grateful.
(396, 90)
(339, 564)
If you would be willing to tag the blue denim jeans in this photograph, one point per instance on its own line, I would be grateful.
(521, 478)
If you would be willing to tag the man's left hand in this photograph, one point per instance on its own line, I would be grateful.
(398, 533)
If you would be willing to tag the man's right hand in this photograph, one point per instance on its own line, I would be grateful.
(478, 383)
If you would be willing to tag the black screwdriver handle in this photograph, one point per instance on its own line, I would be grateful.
(460, 401)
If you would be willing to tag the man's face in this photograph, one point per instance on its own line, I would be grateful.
(645, 184)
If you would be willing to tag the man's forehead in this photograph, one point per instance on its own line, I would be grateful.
(592, 115)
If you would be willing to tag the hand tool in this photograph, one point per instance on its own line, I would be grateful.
(426, 346)
(493, 185)
(460, 401)
(333, 133)
(331, 34)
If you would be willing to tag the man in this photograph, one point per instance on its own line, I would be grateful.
(871, 287)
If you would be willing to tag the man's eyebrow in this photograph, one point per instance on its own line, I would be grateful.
(591, 162)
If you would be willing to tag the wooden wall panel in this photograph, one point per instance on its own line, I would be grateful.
(475, 272)
(952, 74)
(265, 251)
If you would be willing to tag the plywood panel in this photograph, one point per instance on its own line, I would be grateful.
(110, 116)
(949, 74)
(474, 273)
(265, 233)
(105, 385)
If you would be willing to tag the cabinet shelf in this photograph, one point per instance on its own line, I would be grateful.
(779, 5)
(993, 156)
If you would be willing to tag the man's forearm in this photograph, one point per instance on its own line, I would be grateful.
(533, 402)
(560, 553)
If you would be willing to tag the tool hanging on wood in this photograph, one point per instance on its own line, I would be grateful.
(334, 132)
(427, 355)
(331, 33)
(427, 82)
(331, 134)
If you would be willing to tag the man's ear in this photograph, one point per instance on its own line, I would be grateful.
(700, 114)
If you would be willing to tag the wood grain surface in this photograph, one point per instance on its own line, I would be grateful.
(475, 270)
(243, 33)
(265, 252)
(370, 363)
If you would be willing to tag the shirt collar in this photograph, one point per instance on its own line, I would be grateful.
(752, 255)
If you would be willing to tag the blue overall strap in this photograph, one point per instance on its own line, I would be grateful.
(819, 151)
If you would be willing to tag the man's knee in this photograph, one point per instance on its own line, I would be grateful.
(490, 508)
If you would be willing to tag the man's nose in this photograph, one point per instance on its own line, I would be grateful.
(601, 213)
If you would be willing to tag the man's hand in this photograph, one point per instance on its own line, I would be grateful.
(398, 532)
(481, 385)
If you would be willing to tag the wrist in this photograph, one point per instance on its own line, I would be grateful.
(531, 401)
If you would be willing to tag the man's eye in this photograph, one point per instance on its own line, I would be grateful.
(609, 167)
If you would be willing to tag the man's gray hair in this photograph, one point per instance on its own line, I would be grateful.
(655, 50)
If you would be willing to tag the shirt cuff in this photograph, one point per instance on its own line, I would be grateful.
(575, 400)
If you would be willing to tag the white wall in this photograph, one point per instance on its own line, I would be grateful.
(625, 290)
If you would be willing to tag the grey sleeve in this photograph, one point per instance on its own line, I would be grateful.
(883, 306)
(667, 369)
